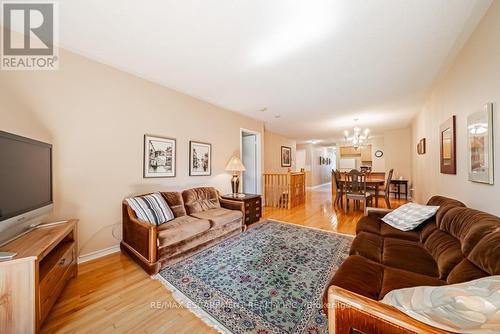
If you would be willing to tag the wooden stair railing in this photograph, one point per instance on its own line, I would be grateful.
(284, 190)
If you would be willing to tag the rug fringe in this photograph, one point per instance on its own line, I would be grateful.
(185, 301)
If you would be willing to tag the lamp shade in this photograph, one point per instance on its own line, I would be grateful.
(235, 165)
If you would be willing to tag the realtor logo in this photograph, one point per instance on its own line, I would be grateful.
(30, 35)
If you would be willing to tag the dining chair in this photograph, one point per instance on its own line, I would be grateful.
(387, 189)
(336, 175)
(356, 189)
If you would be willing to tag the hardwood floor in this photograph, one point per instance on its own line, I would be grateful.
(113, 294)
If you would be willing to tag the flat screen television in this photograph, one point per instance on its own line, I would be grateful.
(25, 183)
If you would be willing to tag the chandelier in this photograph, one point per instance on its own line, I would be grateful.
(357, 138)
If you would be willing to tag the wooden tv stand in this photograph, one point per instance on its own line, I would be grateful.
(31, 282)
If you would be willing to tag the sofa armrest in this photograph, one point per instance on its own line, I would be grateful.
(349, 312)
(233, 205)
(376, 212)
(138, 236)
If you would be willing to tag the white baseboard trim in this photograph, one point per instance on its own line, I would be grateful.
(318, 186)
(97, 254)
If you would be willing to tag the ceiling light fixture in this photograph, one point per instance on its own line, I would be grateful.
(357, 137)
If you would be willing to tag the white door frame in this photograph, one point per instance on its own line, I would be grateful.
(258, 137)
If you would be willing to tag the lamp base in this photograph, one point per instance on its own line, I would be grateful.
(235, 183)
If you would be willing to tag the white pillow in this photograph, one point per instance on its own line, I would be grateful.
(471, 307)
(408, 216)
(151, 208)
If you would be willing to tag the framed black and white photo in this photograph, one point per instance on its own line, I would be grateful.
(200, 158)
(286, 156)
(480, 145)
(159, 156)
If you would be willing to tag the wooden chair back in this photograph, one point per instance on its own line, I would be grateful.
(388, 181)
(336, 178)
(356, 182)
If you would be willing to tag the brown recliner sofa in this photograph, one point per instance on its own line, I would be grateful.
(458, 244)
(202, 219)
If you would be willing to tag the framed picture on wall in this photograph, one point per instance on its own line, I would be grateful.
(421, 149)
(447, 138)
(286, 156)
(200, 158)
(159, 156)
(480, 145)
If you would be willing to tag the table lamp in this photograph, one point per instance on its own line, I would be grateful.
(235, 165)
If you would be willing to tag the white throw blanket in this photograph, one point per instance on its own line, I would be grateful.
(470, 307)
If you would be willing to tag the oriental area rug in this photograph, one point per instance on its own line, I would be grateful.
(269, 279)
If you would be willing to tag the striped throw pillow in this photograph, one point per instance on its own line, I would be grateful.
(151, 208)
(407, 217)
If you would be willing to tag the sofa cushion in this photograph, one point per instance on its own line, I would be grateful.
(410, 256)
(175, 202)
(442, 201)
(390, 232)
(219, 217)
(464, 233)
(445, 250)
(368, 224)
(485, 254)
(174, 252)
(465, 271)
(398, 279)
(200, 199)
(374, 280)
(377, 226)
(427, 230)
(180, 229)
(469, 226)
(368, 245)
(360, 275)
(151, 208)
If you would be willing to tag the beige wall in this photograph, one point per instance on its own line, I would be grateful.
(398, 152)
(378, 164)
(15, 117)
(96, 117)
(272, 152)
(472, 80)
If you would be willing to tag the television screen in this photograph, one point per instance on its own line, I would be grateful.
(25, 175)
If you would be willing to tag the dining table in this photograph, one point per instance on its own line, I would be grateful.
(372, 182)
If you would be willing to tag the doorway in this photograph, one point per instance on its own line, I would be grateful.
(250, 150)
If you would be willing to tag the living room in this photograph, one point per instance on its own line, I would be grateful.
(276, 141)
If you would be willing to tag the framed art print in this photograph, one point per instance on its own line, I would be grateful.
(200, 158)
(421, 149)
(448, 155)
(480, 145)
(159, 156)
(286, 156)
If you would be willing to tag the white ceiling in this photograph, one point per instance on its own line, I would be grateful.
(318, 64)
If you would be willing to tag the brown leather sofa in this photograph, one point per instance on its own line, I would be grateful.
(458, 244)
(202, 219)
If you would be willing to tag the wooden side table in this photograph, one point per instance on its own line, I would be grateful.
(253, 206)
(398, 183)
